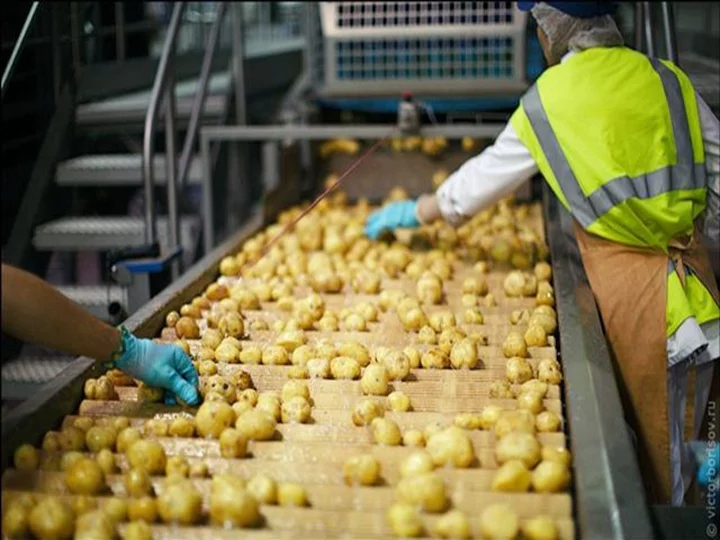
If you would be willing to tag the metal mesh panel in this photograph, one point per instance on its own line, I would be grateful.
(408, 14)
(438, 47)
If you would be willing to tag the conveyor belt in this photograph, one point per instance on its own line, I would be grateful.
(303, 454)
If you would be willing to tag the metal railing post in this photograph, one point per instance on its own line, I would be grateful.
(669, 31)
(197, 107)
(649, 38)
(238, 54)
(170, 167)
(19, 46)
(208, 218)
(639, 26)
(151, 122)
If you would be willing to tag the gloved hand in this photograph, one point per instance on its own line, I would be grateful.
(161, 365)
(399, 214)
(703, 474)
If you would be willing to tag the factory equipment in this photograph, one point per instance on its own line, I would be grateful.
(605, 498)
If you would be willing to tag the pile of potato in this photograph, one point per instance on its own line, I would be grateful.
(276, 310)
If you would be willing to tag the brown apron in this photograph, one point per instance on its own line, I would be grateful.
(630, 286)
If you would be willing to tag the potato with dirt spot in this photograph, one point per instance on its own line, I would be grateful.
(397, 364)
(182, 426)
(150, 394)
(413, 356)
(514, 345)
(435, 358)
(363, 470)
(366, 410)
(375, 380)
(180, 503)
(464, 354)
(212, 418)
(296, 409)
(71, 438)
(385, 432)
(425, 490)
(232, 324)
(187, 328)
(275, 355)
(51, 519)
(451, 446)
(343, 367)
(211, 338)
(514, 421)
(518, 370)
(155, 427)
(429, 288)
(233, 443)
(501, 390)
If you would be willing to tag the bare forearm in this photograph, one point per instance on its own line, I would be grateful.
(35, 312)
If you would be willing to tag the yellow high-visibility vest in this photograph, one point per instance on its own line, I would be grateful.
(617, 137)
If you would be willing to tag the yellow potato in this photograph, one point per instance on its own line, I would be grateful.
(275, 355)
(182, 426)
(550, 477)
(558, 454)
(435, 358)
(289, 494)
(366, 410)
(413, 437)
(512, 476)
(499, 522)
(263, 488)
(177, 466)
(296, 409)
(106, 459)
(518, 370)
(540, 528)
(514, 421)
(420, 462)
(425, 490)
(155, 427)
(343, 367)
(212, 418)
(292, 389)
(148, 455)
(257, 424)
(453, 524)
(231, 505)
(530, 401)
(85, 477)
(26, 457)
(143, 508)
(501, 390)
(518, 446)
(385, 432)
(375, 380)
(468, 421)
(180, 503)
(404, 520)
(398, 402)
(251, 355)
(137, 483)
(464, 354)
(72, 438)
(451, 446)
(361, 470)
(15, 520)
(51, 518)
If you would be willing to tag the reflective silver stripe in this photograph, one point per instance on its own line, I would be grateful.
(645, 186)
(587, 208)
(678, 114)
(579, 205)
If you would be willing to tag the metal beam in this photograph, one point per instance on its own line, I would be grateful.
(281, 132)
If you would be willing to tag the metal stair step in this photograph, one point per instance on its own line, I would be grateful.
(24, 376)
(105, 233)
(132, 110)
(95, 298)
(117, 170)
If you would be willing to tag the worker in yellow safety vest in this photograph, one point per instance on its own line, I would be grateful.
(631, 151)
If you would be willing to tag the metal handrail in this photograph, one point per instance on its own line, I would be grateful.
(163, 88)
(19, 46)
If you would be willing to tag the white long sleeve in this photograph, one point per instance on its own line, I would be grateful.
(485, 179)
(710, 127)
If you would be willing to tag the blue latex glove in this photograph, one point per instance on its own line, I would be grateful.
(399, 214)
(160, 365)
(705, 469)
